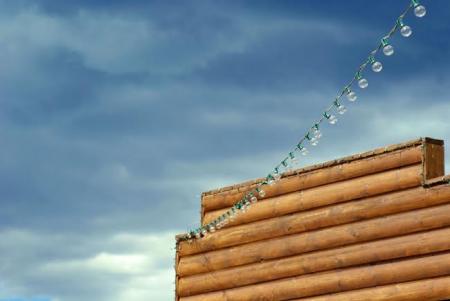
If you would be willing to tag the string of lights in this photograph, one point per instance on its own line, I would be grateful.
(314, 133)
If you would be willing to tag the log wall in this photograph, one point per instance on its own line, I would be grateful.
(372, 226)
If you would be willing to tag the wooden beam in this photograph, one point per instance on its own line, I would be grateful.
(334, 193)
(336, 281)
(433, 160)
(381, 250)
(435, 289)
(361, 209)
(384, 227)
(319, 177)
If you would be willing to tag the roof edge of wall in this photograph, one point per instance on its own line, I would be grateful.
(343, 160)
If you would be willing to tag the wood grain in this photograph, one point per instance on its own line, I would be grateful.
(339, 192)
(335, 281)
(320, 177)
(360, 209)
(386, 249)
(384, 227)
(434, 289)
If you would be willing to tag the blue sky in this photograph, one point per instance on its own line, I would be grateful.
(116, 115)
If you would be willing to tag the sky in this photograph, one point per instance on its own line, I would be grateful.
(116, 115)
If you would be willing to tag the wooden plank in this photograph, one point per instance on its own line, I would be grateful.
(371, 252)
(438, 181)
(361, 209)
(433, 161)
(336, 281)
(334, 193)
(434, 289)
(360, 156)
(384, 227)
(319, 177)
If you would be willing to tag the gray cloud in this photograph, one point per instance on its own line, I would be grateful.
(123, 266)
(115, 117)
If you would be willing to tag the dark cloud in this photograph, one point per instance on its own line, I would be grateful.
(115, 115)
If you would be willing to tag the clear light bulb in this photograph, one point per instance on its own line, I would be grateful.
(316, 132)
(293, 158)
(270, 179)
(204, 232)
(314, 141)
(420, 11)
(219, 226)
(377, 67)
(253, 199)
(232, 214)
(406, 31)
(332, 119)
(351, 96)
(388, 50)
(303, 151)
(262, 193)
(341, 109)
(277, 174)
(285, 164)
(363, 83)
(197, 234)
(212, 229)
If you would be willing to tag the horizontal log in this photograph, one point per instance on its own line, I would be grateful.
(322, 176)
(386, 204)
(398, 247)
(388, 226)
(336, 281)
(339, 192)
(434, 289)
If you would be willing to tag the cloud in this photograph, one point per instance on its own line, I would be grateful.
(115, 116)
(120, 43)
(123, 266)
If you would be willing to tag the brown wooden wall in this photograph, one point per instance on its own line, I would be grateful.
(372, 226)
